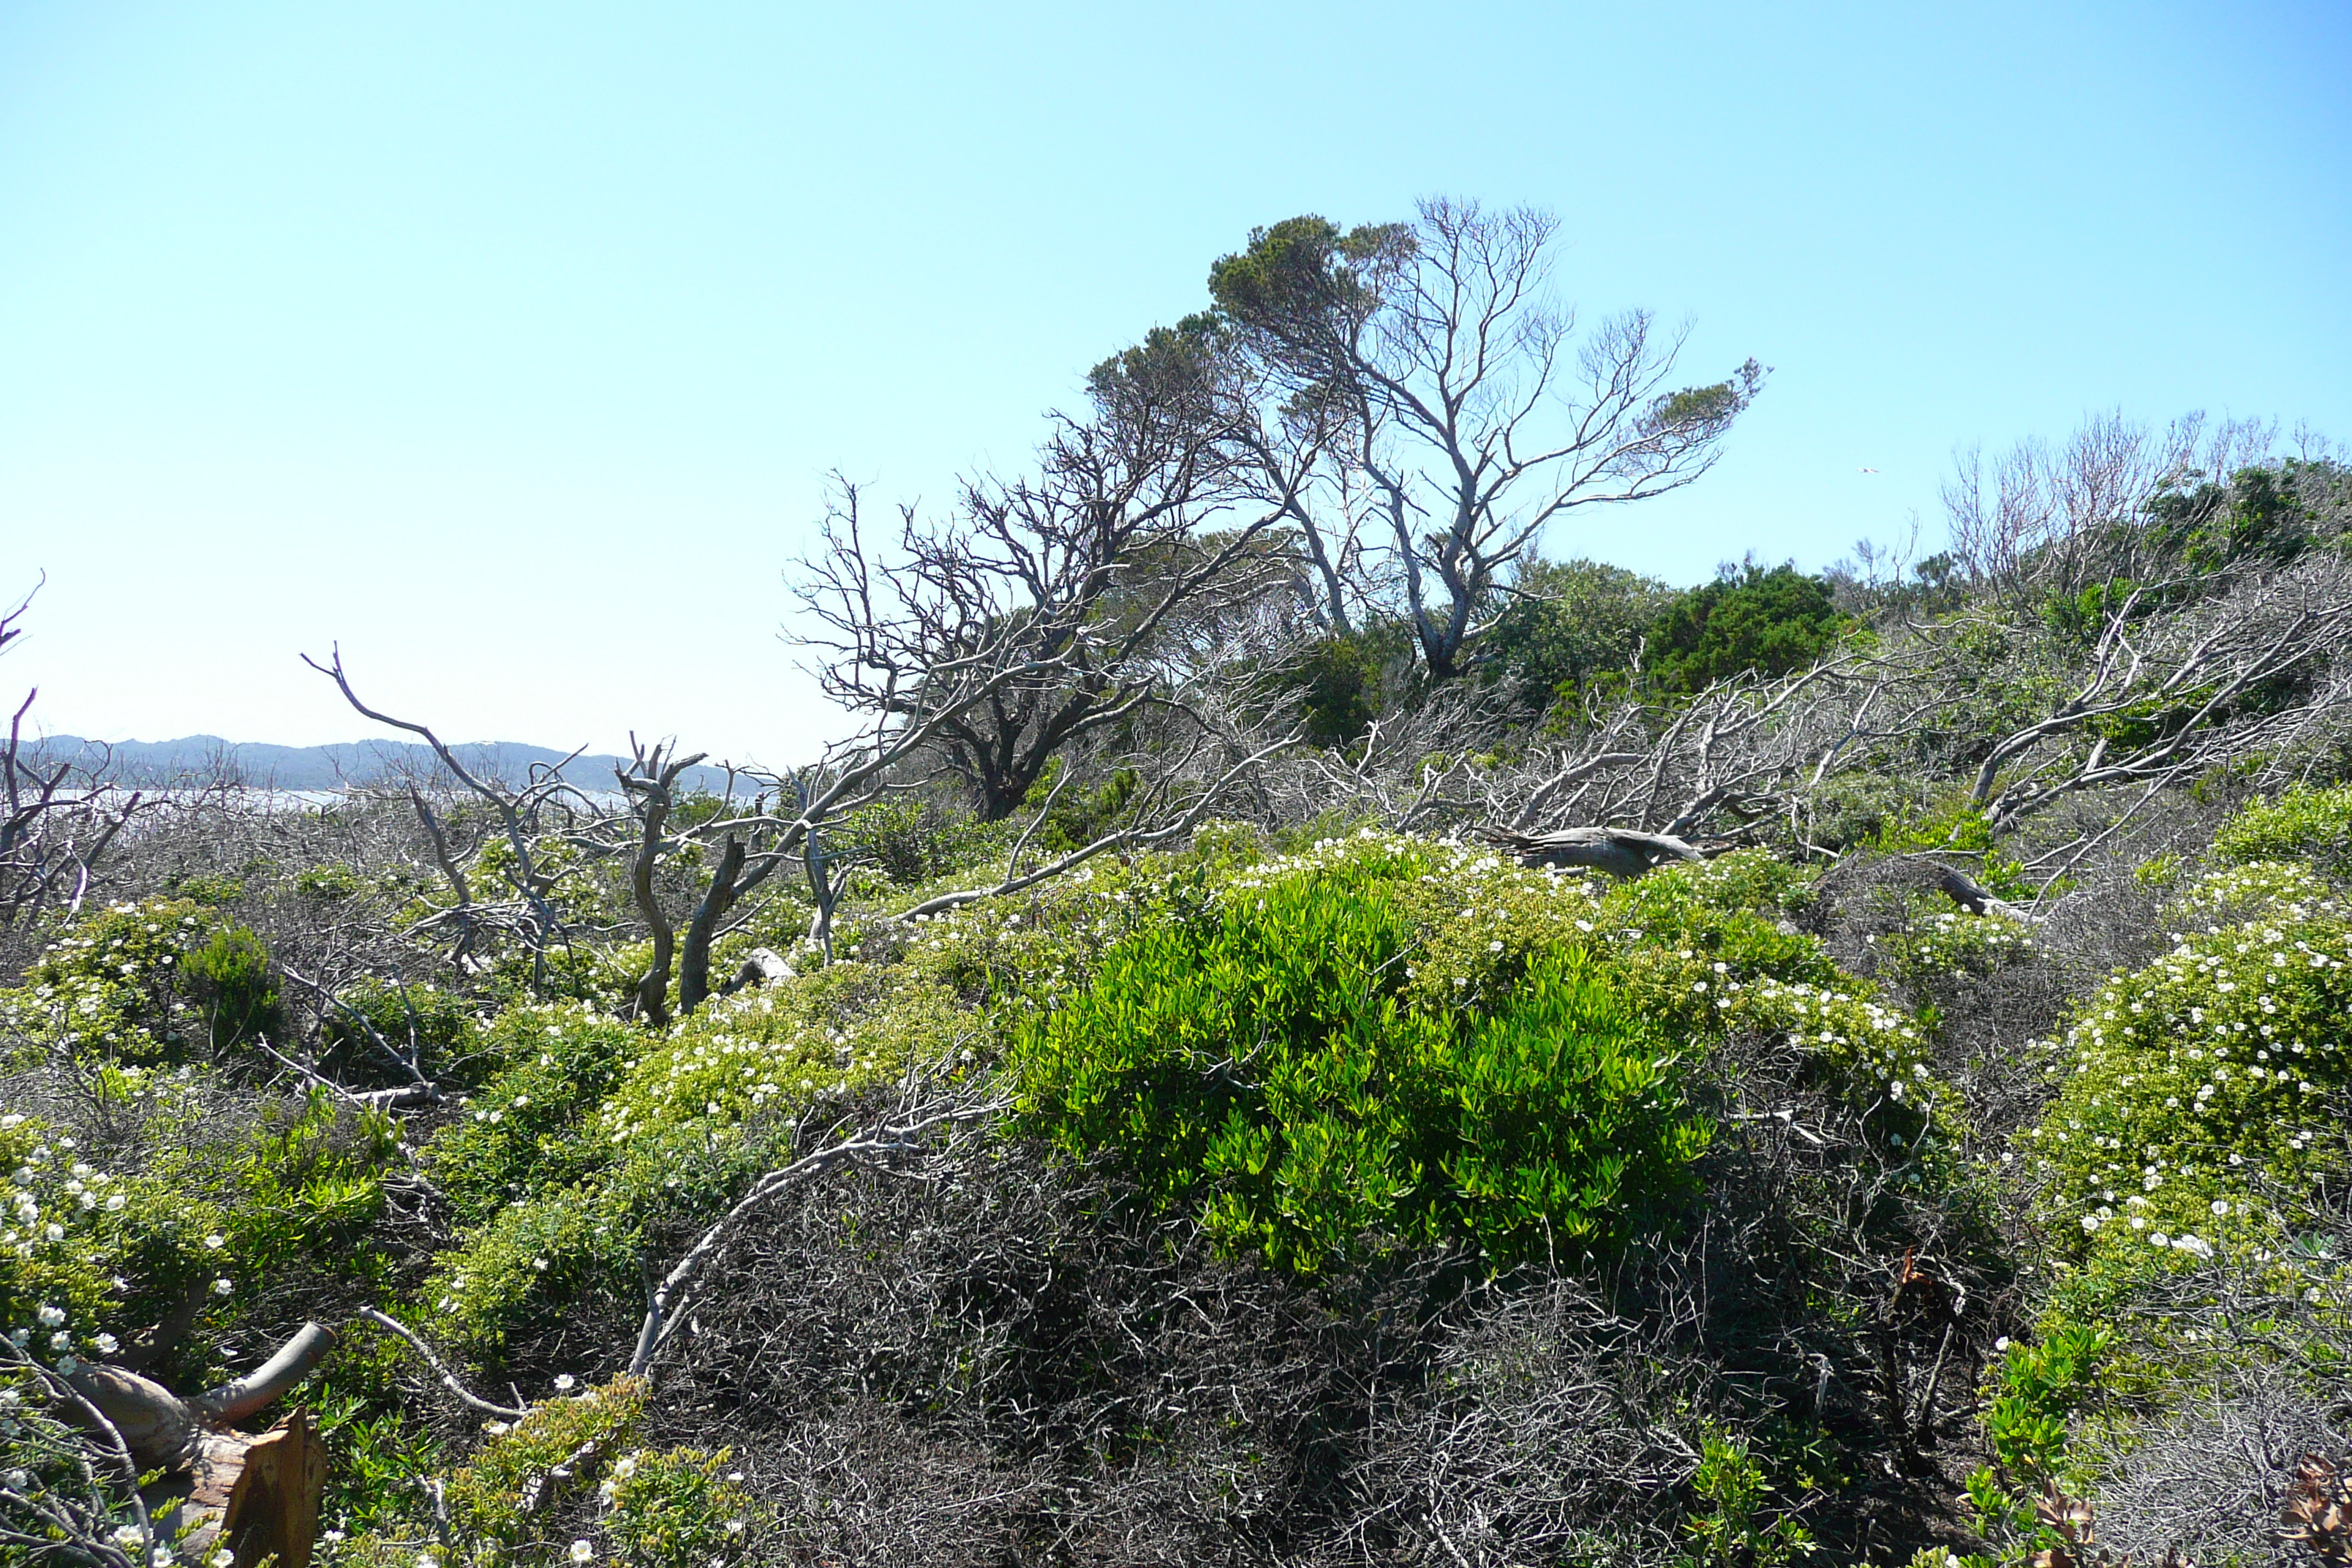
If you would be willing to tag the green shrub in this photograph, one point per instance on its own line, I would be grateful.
(229, 980)
(373, 1021)
(2035, 1389)
(618, 1130)
(211, 889)
(1268, 1063)
(912, 841)
(1468, 947)
(329, 884)
(1081, 816)
(1766, 622)
(522, 1131)
(2308, 824)
(651, 1508)
(1732, 1530)
(678, 1510)
(209, 1212)
(108, 988)
(70, 1229)
(1572, 628)
(2191, 1083)
(1936, 942)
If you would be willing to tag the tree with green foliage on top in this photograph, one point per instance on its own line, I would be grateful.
(1469, 416)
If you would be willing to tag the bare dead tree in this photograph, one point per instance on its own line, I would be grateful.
(58, 816)
(519, 810)
(1472, 417)
(2063, 519)
(2165, 697)
(650, 783)
(1036, 615)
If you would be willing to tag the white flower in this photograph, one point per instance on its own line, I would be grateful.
(2002, 1344)
(106, 1343)
(68, 1365)
(582, 1553)
(222, 1286)
(115, 1202)
(563, 1382)
(216, 1241)
(50, 1315)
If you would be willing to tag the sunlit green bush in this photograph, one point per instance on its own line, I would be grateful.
(598, 1130)
(208, 1213)
(2186, 1083)
(2308, 824)
(1386, 1037)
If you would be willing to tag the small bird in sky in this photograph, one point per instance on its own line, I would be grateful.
(1870, 470)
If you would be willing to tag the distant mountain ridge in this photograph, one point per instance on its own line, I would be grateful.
(151, 765)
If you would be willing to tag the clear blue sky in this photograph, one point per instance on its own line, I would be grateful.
(510, 344)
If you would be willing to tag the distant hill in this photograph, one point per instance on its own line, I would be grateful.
(151, 765)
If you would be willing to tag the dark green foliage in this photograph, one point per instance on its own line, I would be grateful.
(329, 884)
(378, 1030)
(229, 980)
(1768, 622)
(1574, 628)
(2268, 515)
(1265, 1063)
(1342, 682)
(1081, 815)
(1307, 280)
(912, 839)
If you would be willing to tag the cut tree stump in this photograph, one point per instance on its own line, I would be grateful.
(257, 1495)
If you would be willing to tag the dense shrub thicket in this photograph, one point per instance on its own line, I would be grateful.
(1929, 1148)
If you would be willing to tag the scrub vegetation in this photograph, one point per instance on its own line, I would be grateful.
(1296, 1031)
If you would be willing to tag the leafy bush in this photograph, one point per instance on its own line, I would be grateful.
(329, 884)
(1768, 622)
(229, 980)
(2187, 1082)
(2303, 823)
(1342, 681)
(1270, 1062)
(617, 1130)
(572, 1468)
(205, 1213)
(1573, 627)
(373, 1024)
(913, 841)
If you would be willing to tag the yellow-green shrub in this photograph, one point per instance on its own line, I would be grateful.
(2301, 823)
(2186, 1081)
(1388, 1036)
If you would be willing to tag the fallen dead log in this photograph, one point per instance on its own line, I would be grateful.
(1966, 891)
(1621, 852)
(255, 1495)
